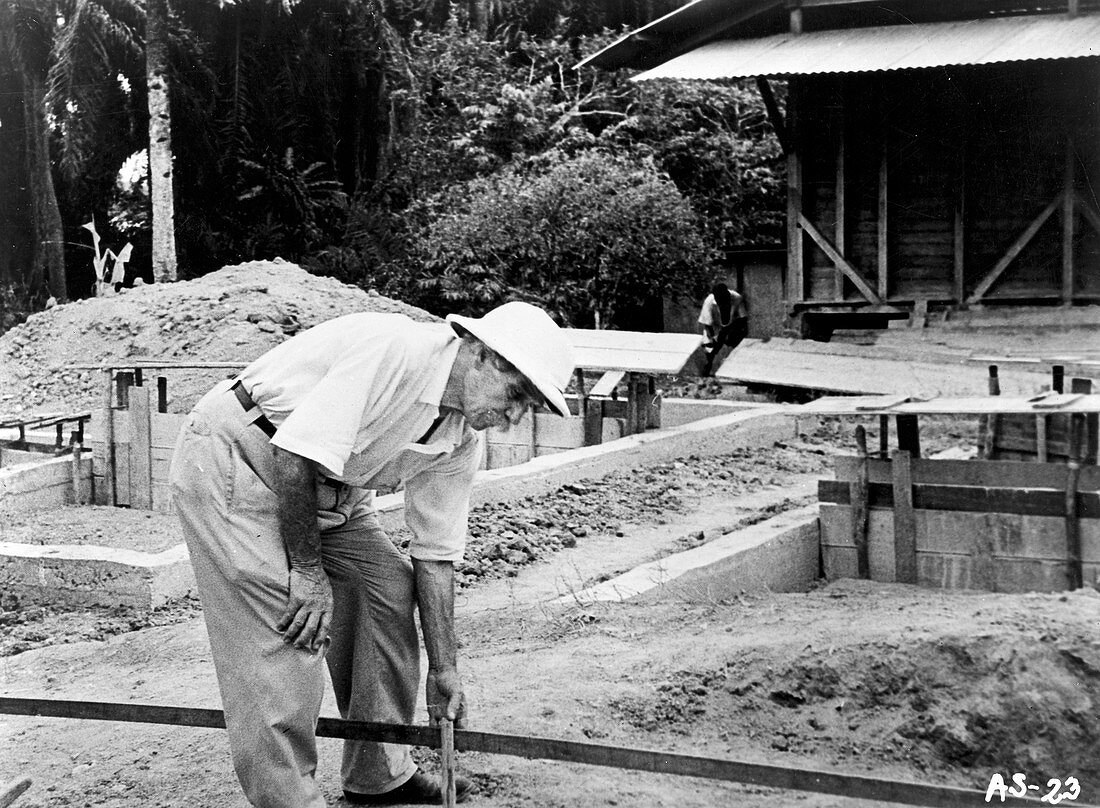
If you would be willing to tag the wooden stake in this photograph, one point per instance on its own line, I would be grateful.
(1075, 574)
(860, 512)
(108, 439)
(447, 761)
(905, 520)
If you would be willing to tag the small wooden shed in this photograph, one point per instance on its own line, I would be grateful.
(940, 153)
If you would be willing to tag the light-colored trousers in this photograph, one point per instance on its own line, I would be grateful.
(271, 692)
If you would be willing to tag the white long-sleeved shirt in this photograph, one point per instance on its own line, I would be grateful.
(354, 395)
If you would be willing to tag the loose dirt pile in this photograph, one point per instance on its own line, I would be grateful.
(232, 315)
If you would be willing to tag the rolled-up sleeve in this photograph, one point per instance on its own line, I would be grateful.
(437, 503)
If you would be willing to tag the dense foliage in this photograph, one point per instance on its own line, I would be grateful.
(585, 236)
(367, 140)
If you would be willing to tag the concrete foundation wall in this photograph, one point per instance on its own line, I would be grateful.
(86, 575)
(44, 483)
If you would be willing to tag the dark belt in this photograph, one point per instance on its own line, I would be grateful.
(269, 428)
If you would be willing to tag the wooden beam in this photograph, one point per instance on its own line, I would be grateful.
(775, 115)
(973, 499)
(883, 229)
(839, 260)
(1014, 250)
(820, 781)
(839, 235)
(1088, 211)
(1068, 199)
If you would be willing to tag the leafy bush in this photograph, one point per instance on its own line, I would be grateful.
(587, 237)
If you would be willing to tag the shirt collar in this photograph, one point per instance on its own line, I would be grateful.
(437, 382)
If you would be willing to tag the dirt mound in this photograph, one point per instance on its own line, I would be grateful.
(1016, 691)
(232, 315)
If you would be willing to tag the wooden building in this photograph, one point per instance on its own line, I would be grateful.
(940, 153)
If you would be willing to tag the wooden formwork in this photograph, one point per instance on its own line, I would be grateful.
(1002, 526)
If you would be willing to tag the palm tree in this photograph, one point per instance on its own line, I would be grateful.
(160, 141)
(27, 30)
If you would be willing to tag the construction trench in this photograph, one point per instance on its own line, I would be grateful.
(690, 599)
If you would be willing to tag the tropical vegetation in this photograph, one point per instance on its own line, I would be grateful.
(449, 155)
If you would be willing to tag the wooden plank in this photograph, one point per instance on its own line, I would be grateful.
(607, 383)
(637, 403)
(165, 428)
(977, 473)
(840, 261)
(970, 405)
(905, 524)
(141, 457)
(1034, 502)
(788, 777)
(993, 535)
(1014, 250)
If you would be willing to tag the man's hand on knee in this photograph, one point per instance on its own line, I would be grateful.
(305, 621)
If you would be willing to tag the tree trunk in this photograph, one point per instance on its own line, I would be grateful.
(160, 141)
(49, 233)
(479, 17)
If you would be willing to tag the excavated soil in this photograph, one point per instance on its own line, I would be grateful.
(232, 315)
(894, 681)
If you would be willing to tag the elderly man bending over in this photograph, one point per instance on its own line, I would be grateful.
(273, 479)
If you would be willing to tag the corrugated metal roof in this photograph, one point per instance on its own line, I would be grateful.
(897, 47)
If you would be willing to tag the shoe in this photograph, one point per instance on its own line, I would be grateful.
(420, 789)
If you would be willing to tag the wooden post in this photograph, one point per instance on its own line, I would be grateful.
(1091, 424)
(909, 434)
(1068, 201)
(447, 761)
(795, 9)
(124, 380)
(988, 424)
(653, 407)
(839, 234)
(162, 394)
(1075, 573)
(796, 289)
(883, 221)
(78, 487)
(884, 436)
(905, 521)
(108, 439)
(141, 451)
(1041, 438)
(637, 415)
(860, 513)
(960, 237)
